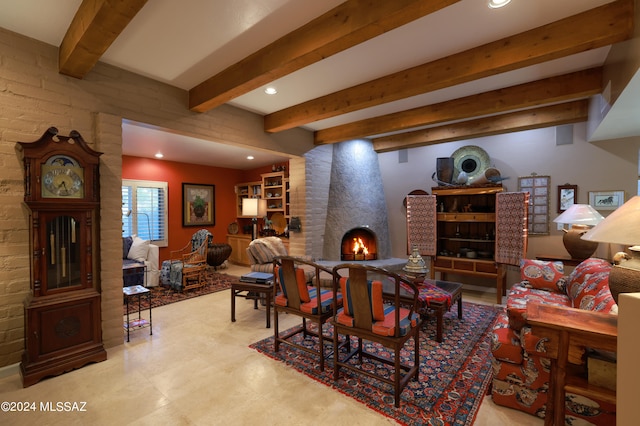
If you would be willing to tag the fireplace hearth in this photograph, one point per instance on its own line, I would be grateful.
(358, 244)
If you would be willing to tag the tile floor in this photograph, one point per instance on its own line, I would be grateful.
(197, 369)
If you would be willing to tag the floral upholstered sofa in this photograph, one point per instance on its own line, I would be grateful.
(520, 368)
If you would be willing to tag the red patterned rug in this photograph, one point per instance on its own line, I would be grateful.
(163, 295)
(454, 374)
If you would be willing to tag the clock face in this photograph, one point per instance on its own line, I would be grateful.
(62, 177)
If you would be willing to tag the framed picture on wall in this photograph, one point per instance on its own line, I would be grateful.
(567, 196)
(606, 200)
(538, 189)
(198, 204)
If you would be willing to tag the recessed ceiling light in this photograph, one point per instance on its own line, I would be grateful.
(270, 91)
(249, 157)
(494, 4)
(159, 155)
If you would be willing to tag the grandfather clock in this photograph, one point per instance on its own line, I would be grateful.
(63, 329)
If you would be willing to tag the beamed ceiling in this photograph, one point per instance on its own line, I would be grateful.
(404, 73)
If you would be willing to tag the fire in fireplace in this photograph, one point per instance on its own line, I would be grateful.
(359, 244)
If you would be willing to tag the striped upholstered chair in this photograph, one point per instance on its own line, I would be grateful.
(293, 295)
(374, 310)
(262, 251)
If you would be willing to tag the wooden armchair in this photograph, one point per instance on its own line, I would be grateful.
(189, 263)
(294, 295)
(374, 310)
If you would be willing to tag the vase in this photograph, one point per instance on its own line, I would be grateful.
(198, 211)
(444, 169)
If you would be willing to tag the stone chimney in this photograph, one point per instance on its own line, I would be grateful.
(356, 198)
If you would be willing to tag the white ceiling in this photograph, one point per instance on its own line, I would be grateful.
(184, 42)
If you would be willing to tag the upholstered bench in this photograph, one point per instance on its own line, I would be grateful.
(438, 297)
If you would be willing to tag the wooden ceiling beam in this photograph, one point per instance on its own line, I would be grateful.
(598, 27)
(576, 85)
(536, 118)
(344, 26)
(95, 26)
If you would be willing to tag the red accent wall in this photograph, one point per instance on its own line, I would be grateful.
(178, 173)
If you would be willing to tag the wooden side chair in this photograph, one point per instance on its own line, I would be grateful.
(294, 295)
(374, 310)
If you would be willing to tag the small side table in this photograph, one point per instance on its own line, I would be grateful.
(129, 292)
(238, 287)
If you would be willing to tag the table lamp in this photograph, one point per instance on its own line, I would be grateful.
(581, 217)
(622, 227)
(254, 208)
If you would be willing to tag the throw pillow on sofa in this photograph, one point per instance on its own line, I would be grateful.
(543, 275)
(588, 286)
(139, 250)
(126, 246)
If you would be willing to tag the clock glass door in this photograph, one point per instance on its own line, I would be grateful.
(63, 261)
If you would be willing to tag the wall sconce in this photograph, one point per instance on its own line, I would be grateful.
(295, 225)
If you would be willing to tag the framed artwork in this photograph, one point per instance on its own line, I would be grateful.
(198, 204)
(606, 200)
(538, 189)
(567, 196)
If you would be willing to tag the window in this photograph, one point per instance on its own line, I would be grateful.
(144, 210)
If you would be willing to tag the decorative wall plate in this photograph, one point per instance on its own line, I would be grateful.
(233, 228)
(472, 160)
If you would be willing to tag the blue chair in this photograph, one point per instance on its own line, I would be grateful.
(187, 265)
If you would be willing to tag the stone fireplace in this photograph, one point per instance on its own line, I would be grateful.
(355, 201)
(359, 244)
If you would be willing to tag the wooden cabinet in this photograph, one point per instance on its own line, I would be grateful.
(239, 244)
(568, 333)
(247, 190)
(466, 228)
(459, 228)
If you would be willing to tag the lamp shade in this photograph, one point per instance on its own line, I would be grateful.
(254, 207)
(580, 214)
(620, 227)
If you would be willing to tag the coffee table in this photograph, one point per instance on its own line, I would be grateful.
(438, 296)
(253, 291)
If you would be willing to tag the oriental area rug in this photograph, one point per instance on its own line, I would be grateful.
(164, 295)
(454, 374)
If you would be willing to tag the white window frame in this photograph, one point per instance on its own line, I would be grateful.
(158, 215)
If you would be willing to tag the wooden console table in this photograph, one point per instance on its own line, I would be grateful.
(568, 332)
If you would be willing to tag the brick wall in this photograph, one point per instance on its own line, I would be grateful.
(317, 179)
(34, 97)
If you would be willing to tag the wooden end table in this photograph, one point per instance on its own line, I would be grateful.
(253, 291)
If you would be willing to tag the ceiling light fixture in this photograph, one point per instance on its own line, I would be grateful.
(495, 4)
(270, 91)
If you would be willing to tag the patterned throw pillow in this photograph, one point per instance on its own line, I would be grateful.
(588, 286)
(541, 274)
